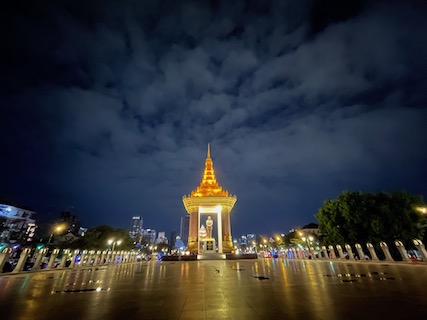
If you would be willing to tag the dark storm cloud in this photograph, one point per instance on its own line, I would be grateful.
(109, 106)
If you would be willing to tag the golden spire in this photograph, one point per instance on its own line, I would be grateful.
(209, 186)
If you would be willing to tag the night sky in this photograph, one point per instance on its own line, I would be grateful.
(107, 107)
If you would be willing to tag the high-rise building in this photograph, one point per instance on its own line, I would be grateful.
(162, 238)
(136, 230)
(183, 231)
(149, 235)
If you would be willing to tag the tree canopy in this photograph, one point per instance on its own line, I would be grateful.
(97, 238)
(357, 217)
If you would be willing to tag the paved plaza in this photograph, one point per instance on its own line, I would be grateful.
(246, 289)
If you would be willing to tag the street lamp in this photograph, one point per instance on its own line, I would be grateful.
(114, 243)
(421, 209)
(58, 229)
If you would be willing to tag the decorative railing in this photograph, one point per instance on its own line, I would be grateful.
(338, 252)
(37, 260)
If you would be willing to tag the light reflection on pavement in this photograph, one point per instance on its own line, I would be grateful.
(246, 289)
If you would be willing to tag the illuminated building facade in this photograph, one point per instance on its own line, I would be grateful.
(136, 231)
(17, 225)
(149, 235)
(210, 198)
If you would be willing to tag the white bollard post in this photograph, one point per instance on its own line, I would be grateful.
(97, 257)
(325, 253)
(360, 251)
(400, 246)
(126, 257)
(340, 252)
(22, 258)
(4, 257)
(372, 251)
(101, 260)
(108, 257)
(64, 258)
(90, 257)
(114, 257)
(349, 252)
(73, 258)
(317, 249)
(40, 255)
(52, 259)
(332, 252)
(120, 256)
(83, 258)
(386, 251)
(313, 254)
(421, 248)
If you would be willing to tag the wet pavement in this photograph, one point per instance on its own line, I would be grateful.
(247, 289)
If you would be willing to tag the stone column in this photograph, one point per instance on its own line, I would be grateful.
(372, 251)
(332, 252)
(360, 251)
(4, 257)
(421, 248)
(349, 252)
(227, 241)
(340, 252)
(53, 256)
(73, 258)
(325, 253)
(402, 250)
(64, 258)
(193, 232)
(22, 258)
(386, 251)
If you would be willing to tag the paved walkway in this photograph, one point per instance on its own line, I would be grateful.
(247, 289)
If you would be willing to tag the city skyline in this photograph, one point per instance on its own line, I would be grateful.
(108, 107)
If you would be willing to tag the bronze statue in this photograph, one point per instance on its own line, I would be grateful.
(209, 225)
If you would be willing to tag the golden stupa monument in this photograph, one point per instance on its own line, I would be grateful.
(208, 200)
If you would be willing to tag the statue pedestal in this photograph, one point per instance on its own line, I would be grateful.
(208, 245)
(208, 250)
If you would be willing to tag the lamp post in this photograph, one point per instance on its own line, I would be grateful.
(114, 243)
(58, 229)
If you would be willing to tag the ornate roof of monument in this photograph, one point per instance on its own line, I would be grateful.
(209, 187)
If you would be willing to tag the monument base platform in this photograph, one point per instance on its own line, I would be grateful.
(211, 256)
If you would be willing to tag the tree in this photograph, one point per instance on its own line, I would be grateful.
(97, 238)
(356, 217)
(292, 239)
